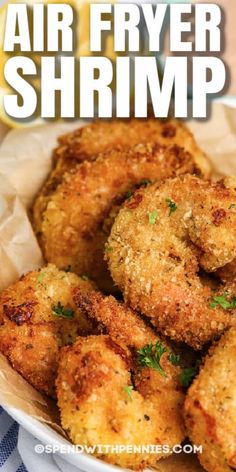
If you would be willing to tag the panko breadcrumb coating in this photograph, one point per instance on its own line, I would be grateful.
(228, 272)
(117, 319)
(101, 135)
(160, 239)
(71, 230)
(126, 326)
(37, 317)
(210, 411)
(105, 397)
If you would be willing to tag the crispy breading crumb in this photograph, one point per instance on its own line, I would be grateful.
(210, 407)
(101, 403)
(37, 317)
(156, 266)
(77, 219)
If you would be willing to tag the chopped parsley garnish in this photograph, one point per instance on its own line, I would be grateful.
(152, 216)
(108, 249)
(128, 194)
(187, 376)
(60, 310)
(145, 182)
(128, 389)
(171, 205)
(232, 205)
(67, 269)
(221, 300)
(40, 277)
(174, 358)
(150, 356)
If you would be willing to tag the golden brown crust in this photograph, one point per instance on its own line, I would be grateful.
(228, 272)
(86, 143)
(210, 407)
(30, 332)
(156, 264)
(119, 321)
(71, 229)
(100, 136)
(95, 407)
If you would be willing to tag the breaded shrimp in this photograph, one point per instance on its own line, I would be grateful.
(118, 320)
(71, 231)
(160, 239)
(37, 317)
(126, 326)
(100, 136)
(210, 407)
(104, 395)
(228, 272)
(86, 143)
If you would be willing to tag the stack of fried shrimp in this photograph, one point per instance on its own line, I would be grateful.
(140, 282)
(160, 240)
(95, 169)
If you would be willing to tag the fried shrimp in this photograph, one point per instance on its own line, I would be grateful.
(71, 230)
(160, 239)
(210, 407)
(106, 397)
(118, 320)
(86, 143)
(121, 322)
(100, 136)
(37, 317)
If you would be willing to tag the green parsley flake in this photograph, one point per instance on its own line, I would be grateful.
(145, 182)
(128, 389)
(150, 356)
(40, 277)
(232, 206)
(221, 300)
(171, 205)
(128, 194)
(187, 376)
(108, 249)
(59, 310)
(152, 216)
(67, 269)
(174, 358)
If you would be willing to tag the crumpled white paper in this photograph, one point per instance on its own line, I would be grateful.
(25, 156)
(25, 161)
(19, 250)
